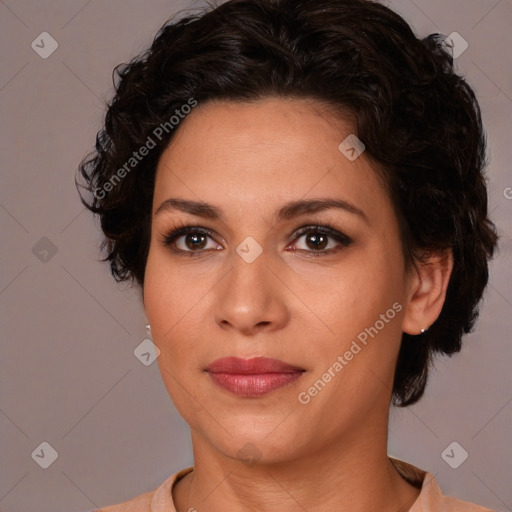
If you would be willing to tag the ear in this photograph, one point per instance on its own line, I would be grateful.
(426, 290)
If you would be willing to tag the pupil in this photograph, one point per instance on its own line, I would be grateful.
(195, 238)
(318, 241)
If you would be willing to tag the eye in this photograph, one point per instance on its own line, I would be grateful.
(318, 238)
(189, 240)
(193, 240)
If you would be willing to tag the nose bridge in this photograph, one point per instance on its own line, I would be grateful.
(248, 280)
(250, 294)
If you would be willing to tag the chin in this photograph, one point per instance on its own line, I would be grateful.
(251, 441)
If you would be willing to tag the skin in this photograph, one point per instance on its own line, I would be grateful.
(249, 159)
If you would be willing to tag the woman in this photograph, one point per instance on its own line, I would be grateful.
(298, 189)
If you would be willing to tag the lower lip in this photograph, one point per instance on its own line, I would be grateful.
(253, 385)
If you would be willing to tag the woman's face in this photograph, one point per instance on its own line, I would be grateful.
(258, 285)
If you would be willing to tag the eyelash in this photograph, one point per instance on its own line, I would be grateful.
(326, 229)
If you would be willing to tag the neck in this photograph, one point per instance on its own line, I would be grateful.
(353, 475)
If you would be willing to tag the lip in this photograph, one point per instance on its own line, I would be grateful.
(253, 377)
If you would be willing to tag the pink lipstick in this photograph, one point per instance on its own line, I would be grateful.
(252, 377)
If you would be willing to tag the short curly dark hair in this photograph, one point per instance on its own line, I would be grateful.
(418, 119)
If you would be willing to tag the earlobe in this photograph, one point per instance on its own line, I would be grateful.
(427, 291)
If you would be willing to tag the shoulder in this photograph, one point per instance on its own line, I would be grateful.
(141, 503)
(450, 504)
(158, 500)
(431, 499)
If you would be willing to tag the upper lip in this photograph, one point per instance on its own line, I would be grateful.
(253, 366)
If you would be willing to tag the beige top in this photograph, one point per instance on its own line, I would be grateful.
(430, 498)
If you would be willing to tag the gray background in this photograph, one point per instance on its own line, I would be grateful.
(68, 373)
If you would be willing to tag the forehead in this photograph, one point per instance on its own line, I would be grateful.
(245, 155)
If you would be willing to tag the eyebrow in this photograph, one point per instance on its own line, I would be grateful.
(286, 212)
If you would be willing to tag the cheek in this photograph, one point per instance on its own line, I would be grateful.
(363, 326)
(162, 303)
(166, 309)
(167, 291)
(156, 298)
(173, 301)
(353, 297)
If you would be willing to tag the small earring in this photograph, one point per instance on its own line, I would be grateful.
(148, 327)
(422, 331)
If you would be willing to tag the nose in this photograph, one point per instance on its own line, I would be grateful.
(251, 298)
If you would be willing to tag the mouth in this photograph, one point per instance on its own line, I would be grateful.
(252, 377)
